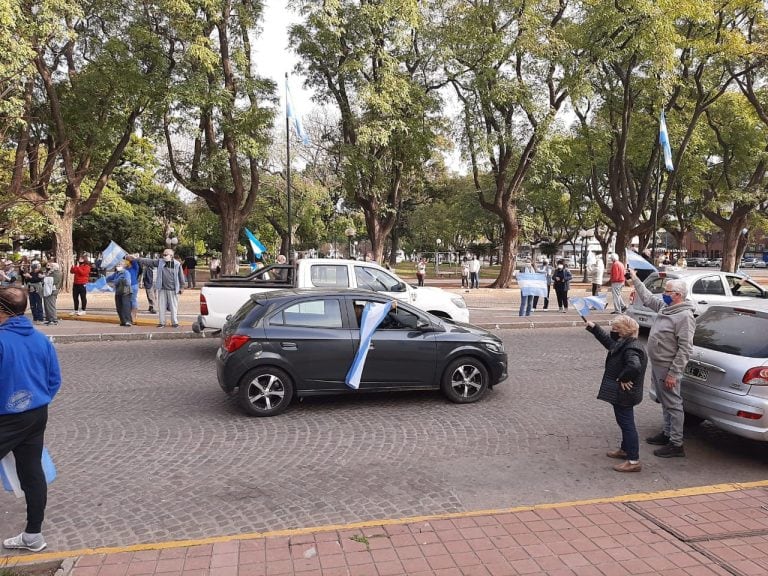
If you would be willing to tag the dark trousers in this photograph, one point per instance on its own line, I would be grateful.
(123, 306)
(562, 297)
(79, 292)
(474, 280)
(420, 279)
(625, 418)
(595, 289)
(36, 305)
(546, 299)
(24, 435)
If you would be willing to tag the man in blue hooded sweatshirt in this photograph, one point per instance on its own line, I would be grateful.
(29, 379)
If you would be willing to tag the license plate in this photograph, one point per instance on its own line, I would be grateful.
(697, 372)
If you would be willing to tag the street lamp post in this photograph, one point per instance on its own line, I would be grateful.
(585, 235)
(349, 233)
(437, 256)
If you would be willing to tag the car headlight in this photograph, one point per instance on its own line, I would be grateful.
(494, 346)
(459, 302)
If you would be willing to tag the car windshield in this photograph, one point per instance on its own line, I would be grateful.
(733, 332)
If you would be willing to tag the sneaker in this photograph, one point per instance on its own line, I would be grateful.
(24, 541)
(151, 310)
(627, 466)
(175, 325)
(80, 313)
(161, 325)
(670, 451)
(618, 454)
(659, 439)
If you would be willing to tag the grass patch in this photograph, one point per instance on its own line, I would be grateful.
(7, 568)
(360, 538)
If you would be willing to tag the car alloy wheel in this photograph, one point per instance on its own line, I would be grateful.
(265, 391)
(465, 380)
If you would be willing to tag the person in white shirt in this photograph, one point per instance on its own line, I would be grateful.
(474, 272)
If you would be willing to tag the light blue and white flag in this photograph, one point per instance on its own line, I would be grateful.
(112, 255)
(373, 314)
(532, 284)
(99, 285)
(10, 478)
(583, 304)
(293, 115)
(637, 262)
(257, 247)
(664, 141)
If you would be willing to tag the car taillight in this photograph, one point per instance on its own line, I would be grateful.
(203, 305)
(234, 342)
(748, 415)
(757, 376)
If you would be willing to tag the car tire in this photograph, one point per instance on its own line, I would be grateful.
(465, 380)
(265, 391)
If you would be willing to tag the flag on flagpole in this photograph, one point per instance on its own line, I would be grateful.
(257, 247)
(637, 262)
(664, 141)
(373, 314)
(112, 255)
(292, 114)
(583, 304)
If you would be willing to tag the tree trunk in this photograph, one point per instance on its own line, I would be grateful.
(508, 247)
(731, 232)
(231, 222)
(64, 249)
(623, 238)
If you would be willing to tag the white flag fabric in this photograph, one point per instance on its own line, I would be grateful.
(373, 314)
(664, 141)
(532, 284)
(111, 255)
(586, 303)
(10, 478)
(293, 115)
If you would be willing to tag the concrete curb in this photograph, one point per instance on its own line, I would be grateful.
(533, 325)
(137, 336)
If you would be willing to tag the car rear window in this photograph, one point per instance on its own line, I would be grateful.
(243, 311)
(329, 276)
(733, 332)
(655, 285)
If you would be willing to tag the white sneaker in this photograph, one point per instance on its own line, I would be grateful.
(81, 312)
(24, 541)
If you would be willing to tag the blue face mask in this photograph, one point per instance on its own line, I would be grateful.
(667, 299)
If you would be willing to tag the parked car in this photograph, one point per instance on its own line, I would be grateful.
(696, 262)
(761, 264)
(726, 378)
(748, 262)
(705, 288)
(287, 343)
(714, 263)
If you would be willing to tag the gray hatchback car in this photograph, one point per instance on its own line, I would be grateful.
(726, 378)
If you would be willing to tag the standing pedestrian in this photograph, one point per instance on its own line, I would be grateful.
(169, 283)
(622, 384)
(526, 301)
(421, 271)
(34, 281)
(547, 270)
(133, 269)
(148, 281)
(617, 283)
(82, 272)
(474, 272)
(8, 275)
(29, 379)
(214, 267)
(52, 283)
(121, 280)
(596, 274)
(465, 273)
(561, 280)
(670, 343)
(190, 263)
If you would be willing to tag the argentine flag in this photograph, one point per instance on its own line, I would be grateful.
(532, 284)
(290, 111)
(664, 141)
(584, 304)
(637, 262)
(373, 314)
(10, 478)
(112, 255)
(257, 247)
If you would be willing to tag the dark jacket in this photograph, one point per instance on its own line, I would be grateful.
(626, 362)
(561, 279)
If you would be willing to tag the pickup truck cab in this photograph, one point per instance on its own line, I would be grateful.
(223, 297)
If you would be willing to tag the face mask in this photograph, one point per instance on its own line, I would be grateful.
(559, 266)
(615, 336)
(667, 299)
(167, 258)
(119, 268)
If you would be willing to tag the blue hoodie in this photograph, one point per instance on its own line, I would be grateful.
(29, 368)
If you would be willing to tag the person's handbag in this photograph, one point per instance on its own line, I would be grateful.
(123, 286)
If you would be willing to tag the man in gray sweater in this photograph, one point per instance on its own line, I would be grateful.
(669, 345)
(169, 283)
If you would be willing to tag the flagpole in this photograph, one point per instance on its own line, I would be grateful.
(288, 169)
(656, 203)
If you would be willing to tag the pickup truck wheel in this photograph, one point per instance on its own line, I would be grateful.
(265, 391)
(465, 380)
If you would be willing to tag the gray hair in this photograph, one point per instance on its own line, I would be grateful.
(626, 327)
(678, 286)
(614, 257)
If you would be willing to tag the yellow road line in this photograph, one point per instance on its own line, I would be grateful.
(636, 497)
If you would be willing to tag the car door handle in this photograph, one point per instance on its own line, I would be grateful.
(371, 346)
(289, 346)
(703, 302)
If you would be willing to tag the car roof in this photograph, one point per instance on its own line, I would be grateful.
(291, 293)
(684, 274)
(756, 305)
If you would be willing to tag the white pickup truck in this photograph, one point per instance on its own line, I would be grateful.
(223, 297)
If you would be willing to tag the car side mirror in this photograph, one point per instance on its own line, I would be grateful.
(401, 287)
(423, 325)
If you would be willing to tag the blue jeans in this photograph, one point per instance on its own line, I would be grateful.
(625, 418)
(526, 303)
(36, 305)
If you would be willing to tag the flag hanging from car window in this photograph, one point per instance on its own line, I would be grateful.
(373, 314)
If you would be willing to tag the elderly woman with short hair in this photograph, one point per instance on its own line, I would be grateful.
(622, 384)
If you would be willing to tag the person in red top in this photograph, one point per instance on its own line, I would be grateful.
(617, 283)
(82, 272)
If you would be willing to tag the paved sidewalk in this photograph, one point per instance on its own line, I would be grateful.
(715, 530)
